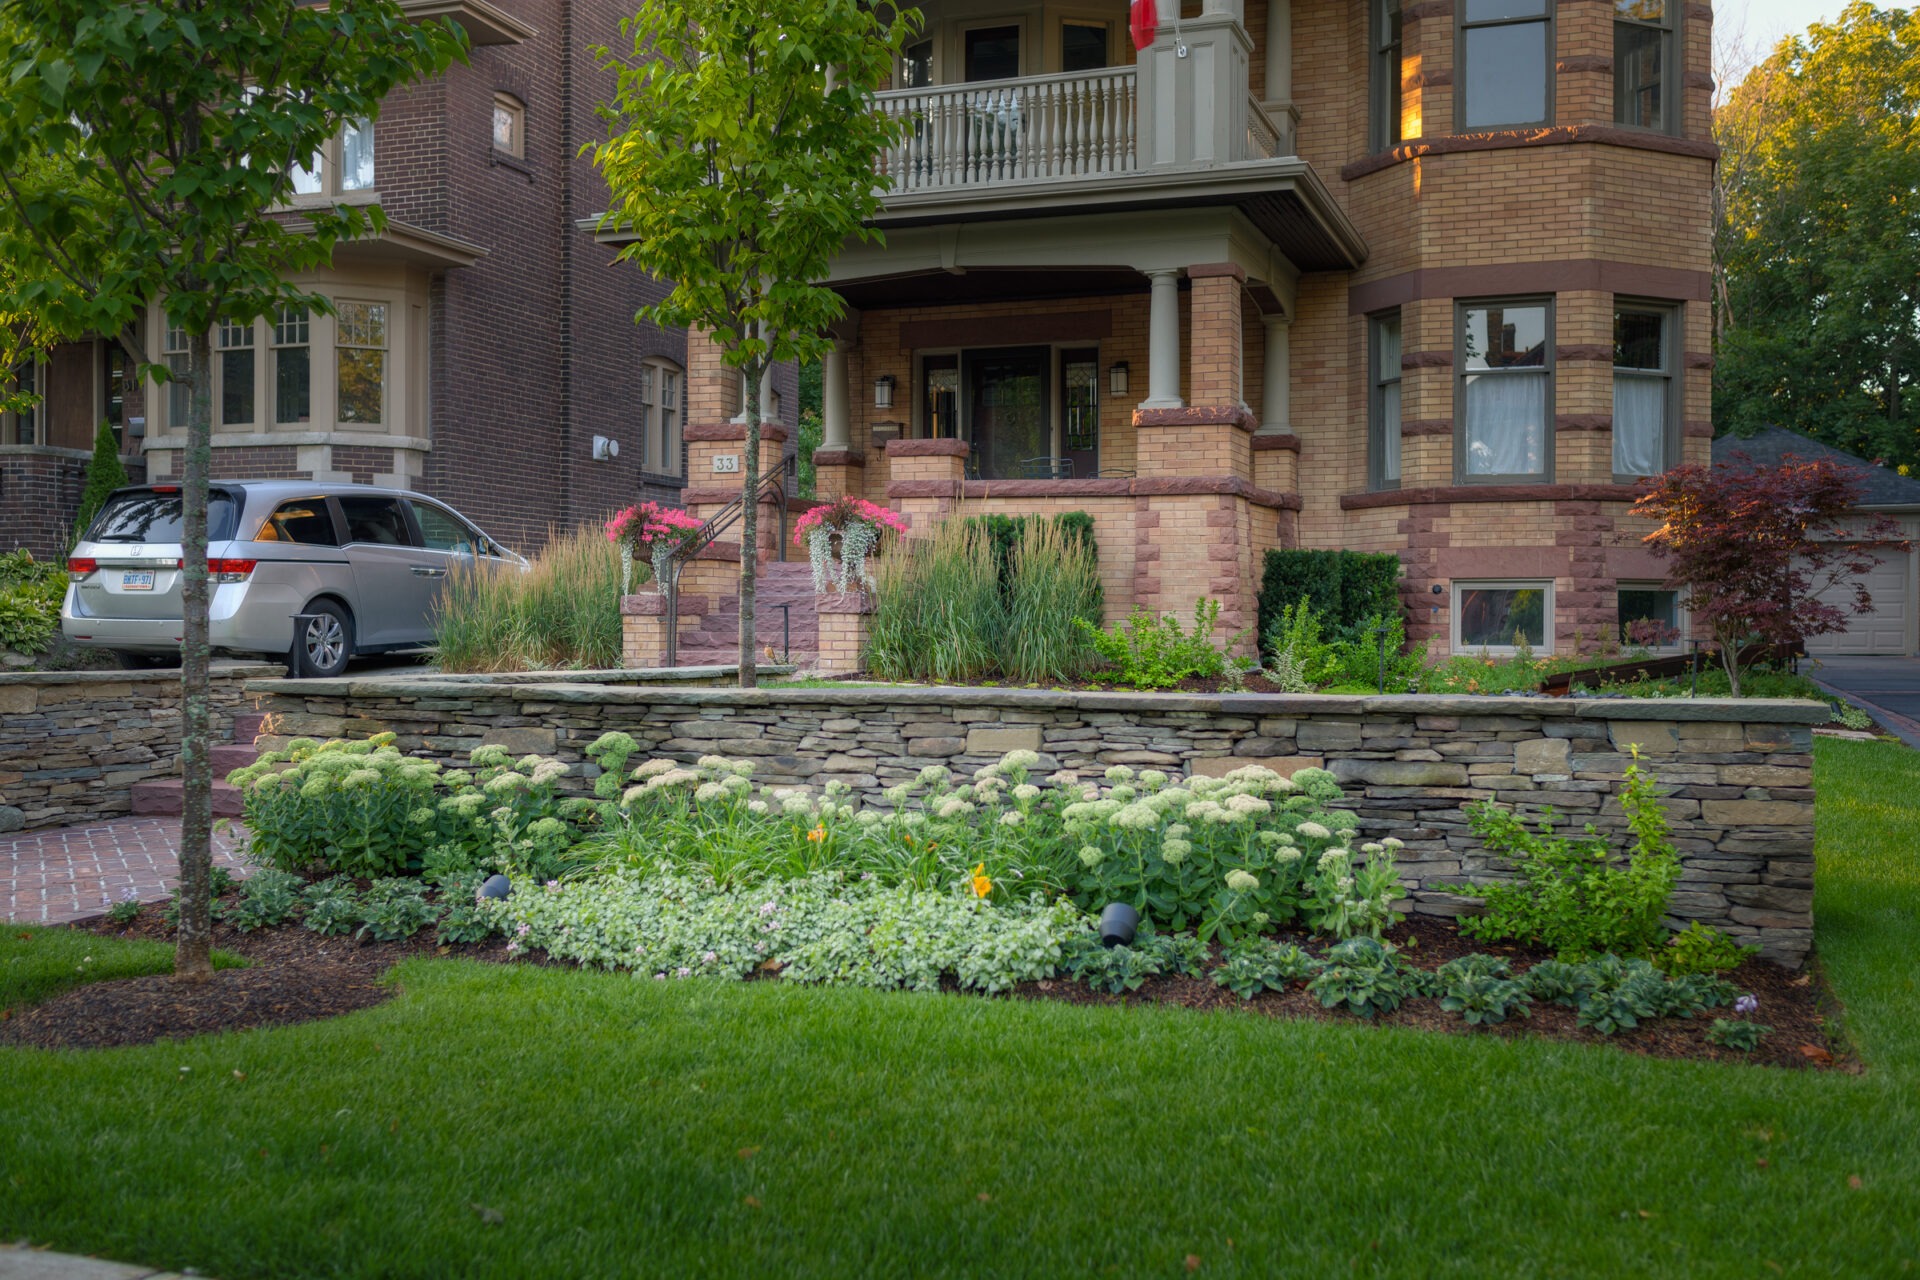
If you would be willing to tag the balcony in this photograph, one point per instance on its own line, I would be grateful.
(1035, 127)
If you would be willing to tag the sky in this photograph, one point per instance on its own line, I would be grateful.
(1766, 21)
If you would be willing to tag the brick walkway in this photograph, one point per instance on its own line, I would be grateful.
(59, 874)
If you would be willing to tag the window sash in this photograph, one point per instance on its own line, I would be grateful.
(234, 360)
(356, 156)
(360, 362)
(1388, 73)
(1504, 412)
(1386, 345)
(1510, 42)
(1487, 616)
(1644, 97)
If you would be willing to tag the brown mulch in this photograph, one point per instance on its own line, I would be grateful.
(296, 975)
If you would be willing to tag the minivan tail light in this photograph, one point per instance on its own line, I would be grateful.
(78, 567)
(230, 570)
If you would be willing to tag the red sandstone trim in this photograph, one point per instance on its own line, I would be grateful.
(1584, 62)
(1428, 9)
(1150, 487)
(1275, 442)
(1076, 326)
(1427, 427)
(1699, 12)
(651, 604)
(709, 432)
(1428, 79)
(1477, 493)
(1507, 139)
(928, 448)
(843, 602)
(1587, 275)
(1427, 360)
(1207, 270)
(839, 458)
(728, 551)
(1698, 80)
(1593, 353)
(1698, 430)
(1198, 415)
(1583, 422)
(1699, 360)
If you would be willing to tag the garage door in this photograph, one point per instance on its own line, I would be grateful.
(1885, 629)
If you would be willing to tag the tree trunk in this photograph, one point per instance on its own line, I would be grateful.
(193, 960)
(750, 524)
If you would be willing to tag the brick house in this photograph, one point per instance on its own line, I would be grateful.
(483, 343)
(1427, 278)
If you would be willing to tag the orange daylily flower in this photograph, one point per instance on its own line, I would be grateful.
(981, 885)
(818, 833)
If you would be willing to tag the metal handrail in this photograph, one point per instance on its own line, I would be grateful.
(774, 485)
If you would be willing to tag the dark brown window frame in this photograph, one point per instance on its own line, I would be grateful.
(1461, 70)
(1377, 380)
(1387, 62)
(1674, 81)
(1548, 367)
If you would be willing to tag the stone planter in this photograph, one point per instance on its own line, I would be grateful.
(843, 631)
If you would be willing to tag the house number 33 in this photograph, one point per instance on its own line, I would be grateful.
(725, 462)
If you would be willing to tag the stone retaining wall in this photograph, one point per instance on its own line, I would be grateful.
(1738, 774)
(73, 743)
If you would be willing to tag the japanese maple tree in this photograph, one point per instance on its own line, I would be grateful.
(1754, 548)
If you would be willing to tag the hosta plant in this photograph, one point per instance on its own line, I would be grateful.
(1744, 1037)
(1362, 976)
(1250, 966)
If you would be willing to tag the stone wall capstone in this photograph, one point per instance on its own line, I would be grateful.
(1737, 776)
(73, 743)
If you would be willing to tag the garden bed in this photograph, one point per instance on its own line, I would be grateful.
(295, 975)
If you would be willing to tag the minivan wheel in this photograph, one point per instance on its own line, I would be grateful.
(325, 640)
(140, 660)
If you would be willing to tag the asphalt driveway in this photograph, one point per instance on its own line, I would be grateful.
(1889, 688)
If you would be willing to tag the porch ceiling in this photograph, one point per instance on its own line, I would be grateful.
(987, 284)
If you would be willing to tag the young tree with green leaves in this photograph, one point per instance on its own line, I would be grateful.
(105, 473)
(1818, 310)
(743, 157)
(174, 129)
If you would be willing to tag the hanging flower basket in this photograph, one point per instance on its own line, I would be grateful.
(858, 525)
(652, 532)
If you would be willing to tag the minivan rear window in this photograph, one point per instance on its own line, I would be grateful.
(146, 516)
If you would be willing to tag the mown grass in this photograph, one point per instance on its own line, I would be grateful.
(564, 611)
(39, 963)
(534, 1122)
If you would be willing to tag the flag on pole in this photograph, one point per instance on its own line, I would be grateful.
(1144, 20)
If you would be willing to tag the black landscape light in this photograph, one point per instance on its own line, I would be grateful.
(496, 886)
(1117, 924)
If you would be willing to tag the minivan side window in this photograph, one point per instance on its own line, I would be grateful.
(440, 531)
(375, 520)
(306, 522)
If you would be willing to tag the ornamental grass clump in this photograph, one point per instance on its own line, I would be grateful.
(1053, 585)
(937, 612)
(562, 611)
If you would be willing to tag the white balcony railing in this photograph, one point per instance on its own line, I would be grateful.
(1059, 126)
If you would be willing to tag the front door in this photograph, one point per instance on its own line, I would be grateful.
(1007, 394)
(1080, 413)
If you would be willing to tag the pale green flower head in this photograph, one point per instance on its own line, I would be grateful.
(1242, 881)
(1090, 856)
(1332, 862)
(986, 771)
(1119, 773)
(1152, 779)
(506, 784)
(1392, 844)
(549, 770)
(1020, 759)
(1135, 817)
(796, 806)
(1205, 786)
(359, 778)
(709, 791)
(1269, 838)
(954, 806)
(1026, 793)
(897, 795)
(867, 818)
(1124, 793)
(1245, 804)
(653, 769)
(835, 789)
(547, 829)
(934, 775)
(1313, 831)
(313, 789)
(1012, 818)
(1370, 848)
(633, 793)
(735, 785)
(757, 806)
(715, 764)
(421, 817)
(1175, 851)
(614, 742)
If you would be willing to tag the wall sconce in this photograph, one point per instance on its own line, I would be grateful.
(883, 391)
(1117, 378)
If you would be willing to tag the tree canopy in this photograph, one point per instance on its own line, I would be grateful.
(1819, 243)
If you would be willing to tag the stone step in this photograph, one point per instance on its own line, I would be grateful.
(164, 798)
(230, 756)
(248, 725)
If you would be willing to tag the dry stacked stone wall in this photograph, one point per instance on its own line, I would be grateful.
(1737, 775)
(72, 744)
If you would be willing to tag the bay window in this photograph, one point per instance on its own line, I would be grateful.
(1504, 397)
(1383, 401)
(1505, 57)
(179, 363)
(1644, 440)
(1387, 74)
(233, 376)
(360, 361)
(660, 387)
(292, 376)
(1644, 64)
(345, 164)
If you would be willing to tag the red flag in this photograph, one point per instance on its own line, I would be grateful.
(1144, 20)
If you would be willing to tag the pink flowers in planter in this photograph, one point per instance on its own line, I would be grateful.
(653, 531)
(858, 524)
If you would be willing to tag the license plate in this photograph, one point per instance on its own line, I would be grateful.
(137, 580)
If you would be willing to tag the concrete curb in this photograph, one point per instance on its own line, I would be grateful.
(24, 1262)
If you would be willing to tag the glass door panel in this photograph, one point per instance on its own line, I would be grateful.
(940, 406)
(1007, 411)
(1080, 410)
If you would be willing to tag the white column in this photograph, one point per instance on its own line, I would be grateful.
(1279, 42)
(1276, 378)
(836, 421)
(1163, 342)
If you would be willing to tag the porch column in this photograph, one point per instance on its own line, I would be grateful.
(837, 468)
(1163, 342)
(1279, 42)
(766, 397)
(1276, 379)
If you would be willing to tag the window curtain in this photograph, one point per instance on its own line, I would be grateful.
(1389, 374)
(1639, 425)
(1506, 424)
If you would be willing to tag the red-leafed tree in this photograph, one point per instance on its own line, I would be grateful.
(1753, 547)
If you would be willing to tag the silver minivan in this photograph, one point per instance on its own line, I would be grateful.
(362, 566)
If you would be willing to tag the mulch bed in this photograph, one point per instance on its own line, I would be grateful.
(296, 975)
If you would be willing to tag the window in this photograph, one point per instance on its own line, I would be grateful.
(509, 125)
(360, 341)
(376, 520)
(25, 419)
(306, 522)
(916, 66)
(292, 366)
(660, 384)
(941, 403)
(1079, 413)
(114, 393)
(1501, 617)
(1644, 64)
(179, 364)
(344, 164)
(1387, 73)
(991, 53)
(233, 362)
(1084, 45)
(1643, 392)
(1504, 405)
(1383, 405)
(1649, 615)
(439, 531)
(1506, 63)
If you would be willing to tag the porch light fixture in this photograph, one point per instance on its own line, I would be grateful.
(883, 391)
(1117, 378)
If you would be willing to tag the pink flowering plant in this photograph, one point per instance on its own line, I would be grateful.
(859, 525)
(652, 531)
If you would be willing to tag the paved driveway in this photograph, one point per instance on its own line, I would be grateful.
(1888, 687)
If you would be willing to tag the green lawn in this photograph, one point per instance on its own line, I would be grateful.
(37, 963)
(526, 1122)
